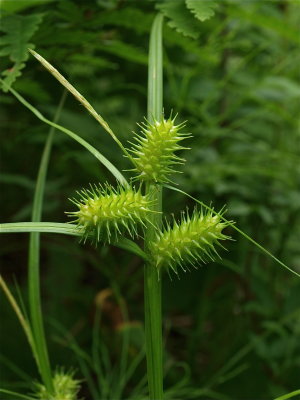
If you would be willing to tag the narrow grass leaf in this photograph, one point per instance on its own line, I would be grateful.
(49, 227)
(79, 97)
(131, 246)
(15, 369)
(237, 229)
(65, 229)
(23, 321)
(289, 395)
(35, 306)
(117, 174)
(16, 395)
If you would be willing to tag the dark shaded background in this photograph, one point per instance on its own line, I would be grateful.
(232, 326)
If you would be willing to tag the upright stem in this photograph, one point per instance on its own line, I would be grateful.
(153, 320)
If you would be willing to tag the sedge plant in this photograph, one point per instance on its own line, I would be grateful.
(104, 213)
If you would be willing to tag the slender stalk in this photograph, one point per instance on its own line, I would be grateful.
(19, 314)
(79, 97)
(36, 315)
(152, 285)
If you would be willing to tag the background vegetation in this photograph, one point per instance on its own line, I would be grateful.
(232, 329)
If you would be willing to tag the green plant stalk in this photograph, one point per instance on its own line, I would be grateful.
(152, 285)
(22, 319)
(35, 307)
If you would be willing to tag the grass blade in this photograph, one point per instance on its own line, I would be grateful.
(66, 229)
(23, 321)
(16, 395)
(237, 229)
(36, 314)
(155, 72)
(79, 97)
(15, 369)
(117, 174)
(131, 246)
(47, 227)
(289, 395)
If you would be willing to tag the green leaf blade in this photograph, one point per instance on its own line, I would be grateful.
(264, 250)
(18, 30)
(181, 19)
(79, 97)
(65, 229)
(202, 10)
(36, 314)
(117, 174)
(42, 227)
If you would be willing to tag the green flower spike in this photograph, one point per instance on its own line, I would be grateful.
(153, 151)
(190, 242)
(65, 387)
(105, 212)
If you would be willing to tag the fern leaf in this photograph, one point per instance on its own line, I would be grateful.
(202, 9)
(12, 74)
(180, 17)
(18, 30)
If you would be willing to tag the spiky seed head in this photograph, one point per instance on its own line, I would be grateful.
(105, 212)
(66, 387)
(153, 150)
(192, 241)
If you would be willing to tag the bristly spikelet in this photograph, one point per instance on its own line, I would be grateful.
(192, 241)
(66, 387)
(153, 151)
(105, 212)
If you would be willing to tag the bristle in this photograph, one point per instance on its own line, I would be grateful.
(153, 151)
(65, 386)
(105, 212)
(191, 241)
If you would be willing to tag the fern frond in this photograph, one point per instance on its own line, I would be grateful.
(181, 19)
(18, 30)
(202, 10)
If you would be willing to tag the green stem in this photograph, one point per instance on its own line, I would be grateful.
(152, 285)
(153, 320)
(36, 315)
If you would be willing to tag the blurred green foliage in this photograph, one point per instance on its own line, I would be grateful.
(232, 328)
